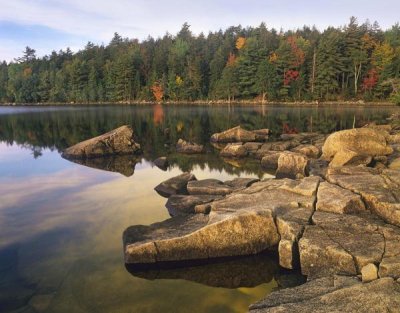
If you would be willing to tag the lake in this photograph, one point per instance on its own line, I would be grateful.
(61, 223)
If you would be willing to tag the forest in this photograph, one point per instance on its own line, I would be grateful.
(352, 62)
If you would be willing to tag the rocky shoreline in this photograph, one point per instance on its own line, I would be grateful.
(332, 211)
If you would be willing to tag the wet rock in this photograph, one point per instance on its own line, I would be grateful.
(334, 294)
(218, 234)
(261, 134)
(363, 142)
(185, 204)
(208, 187)
(270, 160)
(334, 199)
(369, 272)
(236, 134)
(175, 185)
(123, 164)
(234, 150)
(283, 145)
(380, 192)
(161, 163)
(309, 151)
(292, 165)
(252, 147)
(265, 149)
(116, 142)
(188, 147)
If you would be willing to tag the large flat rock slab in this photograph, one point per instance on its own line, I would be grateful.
(380, 191)
(201, 237)
(242, 223)
(116, 142)
(344, 244)
(334, 294)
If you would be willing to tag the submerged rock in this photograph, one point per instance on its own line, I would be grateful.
(238, 134)
(270, 160)
(116, 142)
(334, 294)
(175, 185)
(161, 163)
(188, 147)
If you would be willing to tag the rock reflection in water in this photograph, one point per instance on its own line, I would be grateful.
(249, 271)
(123, 164)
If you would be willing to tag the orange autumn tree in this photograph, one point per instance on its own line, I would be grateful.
(158, 91)
(240, 42)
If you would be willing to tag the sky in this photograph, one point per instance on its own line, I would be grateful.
(48, 25)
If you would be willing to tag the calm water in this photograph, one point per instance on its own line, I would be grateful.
(61, 223)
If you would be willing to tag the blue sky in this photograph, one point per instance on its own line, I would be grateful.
(47, 25)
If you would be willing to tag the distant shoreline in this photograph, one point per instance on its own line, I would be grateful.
(210, 103)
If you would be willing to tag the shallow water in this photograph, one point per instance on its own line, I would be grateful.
(61, 223)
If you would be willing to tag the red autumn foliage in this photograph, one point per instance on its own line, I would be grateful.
(299, 55)
(370, 80)
(286, 129)
(158, 91)
(289, 76)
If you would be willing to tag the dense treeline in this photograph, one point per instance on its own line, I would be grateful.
(357, 61)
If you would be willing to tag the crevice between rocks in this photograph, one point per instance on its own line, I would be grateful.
(358, 270)
(156, 257)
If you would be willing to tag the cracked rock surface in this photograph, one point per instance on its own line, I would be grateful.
(334, 294)
(239, 224)
(341, 223)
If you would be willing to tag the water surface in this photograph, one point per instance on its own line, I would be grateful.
(61, 223)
